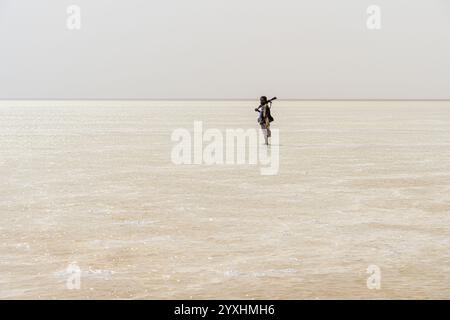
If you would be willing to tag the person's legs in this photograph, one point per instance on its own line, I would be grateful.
(268, 132)
(265, 133)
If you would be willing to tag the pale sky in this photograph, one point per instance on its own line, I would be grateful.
(224, 49)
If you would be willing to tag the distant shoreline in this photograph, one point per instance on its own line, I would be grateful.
(210, 103)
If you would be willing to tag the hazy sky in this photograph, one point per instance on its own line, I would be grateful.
(175, 49)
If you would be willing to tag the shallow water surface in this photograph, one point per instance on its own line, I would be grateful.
(359, 184)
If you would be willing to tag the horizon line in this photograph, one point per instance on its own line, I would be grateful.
(205, 99)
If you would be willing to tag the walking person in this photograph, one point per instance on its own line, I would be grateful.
(265, 118)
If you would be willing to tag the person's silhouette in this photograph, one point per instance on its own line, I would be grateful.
(265, 118)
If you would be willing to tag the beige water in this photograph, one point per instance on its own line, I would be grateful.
(360, 183)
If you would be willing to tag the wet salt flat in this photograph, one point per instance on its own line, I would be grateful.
(359, 184)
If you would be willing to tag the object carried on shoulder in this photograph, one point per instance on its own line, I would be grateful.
(260, 109)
